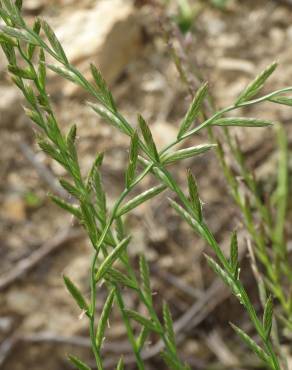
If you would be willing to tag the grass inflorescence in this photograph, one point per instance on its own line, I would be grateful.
(105, 227)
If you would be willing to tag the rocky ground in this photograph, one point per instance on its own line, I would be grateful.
(39, 323)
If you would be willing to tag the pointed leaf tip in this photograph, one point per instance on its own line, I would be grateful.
(256, 85)
(268, 316)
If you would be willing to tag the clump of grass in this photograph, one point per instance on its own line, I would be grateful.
(104, 226)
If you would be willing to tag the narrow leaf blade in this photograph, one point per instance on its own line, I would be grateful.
(268, 316)
(104, 317)
(284, 100)
(66, 206)
(140, 199)
(142, 320)
(255, 86)
(115, 276)
(168, 325)
(133, 158)
(145, 277)
(223, 275)
(193, 110)
(76, 294)
(111, 258)
(234, 253)
(251, 344)
(194, 196)
(55, 43)
(186, 153)
(148, 138)
(241, 121)
(120, 365)
(78, 363)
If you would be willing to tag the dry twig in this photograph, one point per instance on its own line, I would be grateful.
(28, 263)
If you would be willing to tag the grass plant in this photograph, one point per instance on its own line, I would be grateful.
(26, 49)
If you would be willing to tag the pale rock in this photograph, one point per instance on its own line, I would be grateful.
(215, 27)
(13, 208)
(33, 6)
(21, 301)
(289, 33)
(6, 323)
(35, 322)
(108, 35)
(236, 65)
(10, 107)
(79, 267)
(138, 242)
(277, 37)
(163, 133)
(3, 62)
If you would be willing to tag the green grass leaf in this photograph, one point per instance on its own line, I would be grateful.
(42, 71)
(71, 137)
(133, 158)
(13, 9)
(142, 338)
(103, 320)
(7, 40)
(120, 365)
(55, 43)
(71, 189)
(150, 325)
(32, 47)
(52, 151)
(234, 254)
(194, 197)
(111, 258)
(78, 363)
(281, 193)
(172, 361)
(64, 72)
(115, 276)
(268, 316)
(20, 72)
(147, 135)
(224, 276)
(108, 116)
(284, 100)
(35, 117)
(18, 4)
(20, 35)
(178, 155)
(193, 110)
(95, 167)
(252, 344)
(102, 86)
(94, 181)
(8, 50)
(241, 121)
(88, 220)
(140, 199)
(66, 206)
(194, 223)
(76, 294)
(145, 278)
(168, 326)
(255, 86)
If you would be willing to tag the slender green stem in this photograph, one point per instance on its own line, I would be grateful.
(99, 238)
(218, 114)
(130, 331)
(117, 292)
(92, 313)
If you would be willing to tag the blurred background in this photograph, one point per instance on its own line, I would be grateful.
(133, 42)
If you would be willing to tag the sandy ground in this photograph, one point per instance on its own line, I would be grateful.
(36, 314)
